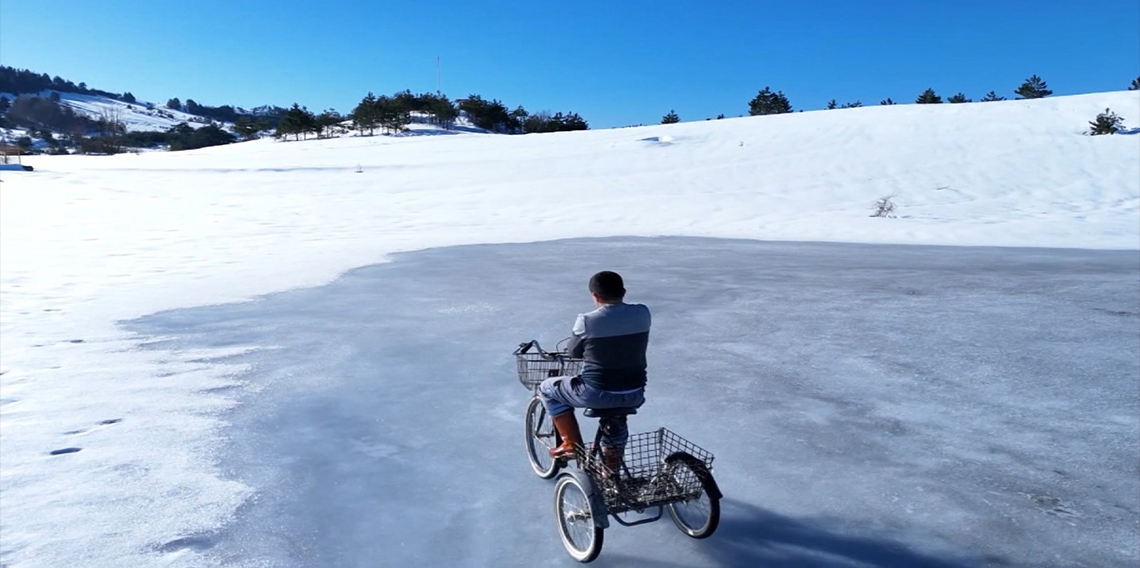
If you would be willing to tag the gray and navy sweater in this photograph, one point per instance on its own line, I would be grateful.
(612, 340)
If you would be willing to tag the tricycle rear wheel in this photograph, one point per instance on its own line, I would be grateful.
(581, 536)
(698, 515)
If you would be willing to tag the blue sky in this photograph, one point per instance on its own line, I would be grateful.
(615, 63)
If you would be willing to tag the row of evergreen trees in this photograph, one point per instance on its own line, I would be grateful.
(769, 102)
(387, 113)
(390, 114)
(178, 137)
(22, 81)
(493, 115)
(224, 113)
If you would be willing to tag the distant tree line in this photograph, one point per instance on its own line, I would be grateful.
(769, 102)
(393, 114)
(493, 116)
(178, 137)
(300, 121)
(224, 113)
(21, 81)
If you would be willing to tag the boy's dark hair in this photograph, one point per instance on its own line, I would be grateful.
(608, 285)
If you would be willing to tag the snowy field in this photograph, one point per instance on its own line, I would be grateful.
(166, 473)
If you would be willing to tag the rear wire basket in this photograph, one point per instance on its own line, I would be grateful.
(537, 367)
(651, 473)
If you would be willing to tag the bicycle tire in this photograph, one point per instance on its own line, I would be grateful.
(699, 516)
(538, 428)
(581, 537)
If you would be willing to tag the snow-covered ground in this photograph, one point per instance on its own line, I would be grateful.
(86, 242)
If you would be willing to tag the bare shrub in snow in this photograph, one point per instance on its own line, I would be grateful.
(883, 207)
(111, 121)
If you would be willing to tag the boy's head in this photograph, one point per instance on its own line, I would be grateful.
(607, 287)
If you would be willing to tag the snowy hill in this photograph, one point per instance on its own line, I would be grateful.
(143, 116)
(89, 241)
(137, 116)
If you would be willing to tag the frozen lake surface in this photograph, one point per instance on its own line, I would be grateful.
(868, 405)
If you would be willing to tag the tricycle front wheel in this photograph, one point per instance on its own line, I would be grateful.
(540, 437)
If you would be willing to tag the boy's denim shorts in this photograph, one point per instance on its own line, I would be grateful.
(560, 394)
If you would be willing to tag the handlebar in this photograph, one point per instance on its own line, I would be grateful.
(559, 350)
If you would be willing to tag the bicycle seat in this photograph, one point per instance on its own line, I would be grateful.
(608, 412)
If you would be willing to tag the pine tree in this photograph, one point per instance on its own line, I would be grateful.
(364, 116)
(246, 127)
(325, 121)
(959, 98)
(5, 104)
(1106, 123)
(444, 111)
(296, 121)
(575, 122)
(767, 102)
(54, 96)
(855, 104)
(832, 105)
(929, 98)
(174, 104)
(1135, 84)
(518, 119)
(391, 114)
(887, 101)
(720, 116)
(991, 97)
(128, 97)
(1033, 88)
(670, 118)
(488, 115)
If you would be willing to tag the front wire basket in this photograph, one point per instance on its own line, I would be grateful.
(650, 473)
(535, 367)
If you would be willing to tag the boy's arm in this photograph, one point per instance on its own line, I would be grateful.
(577, 345)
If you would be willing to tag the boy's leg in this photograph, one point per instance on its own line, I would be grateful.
(563, 394)
(560, 397)
(617, 434)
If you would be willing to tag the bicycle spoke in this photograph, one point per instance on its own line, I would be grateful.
(577, 519)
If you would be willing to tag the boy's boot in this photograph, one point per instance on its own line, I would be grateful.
(611, 458)
(567, 426)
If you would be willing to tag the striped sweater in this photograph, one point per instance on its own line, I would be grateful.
(612, 341)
